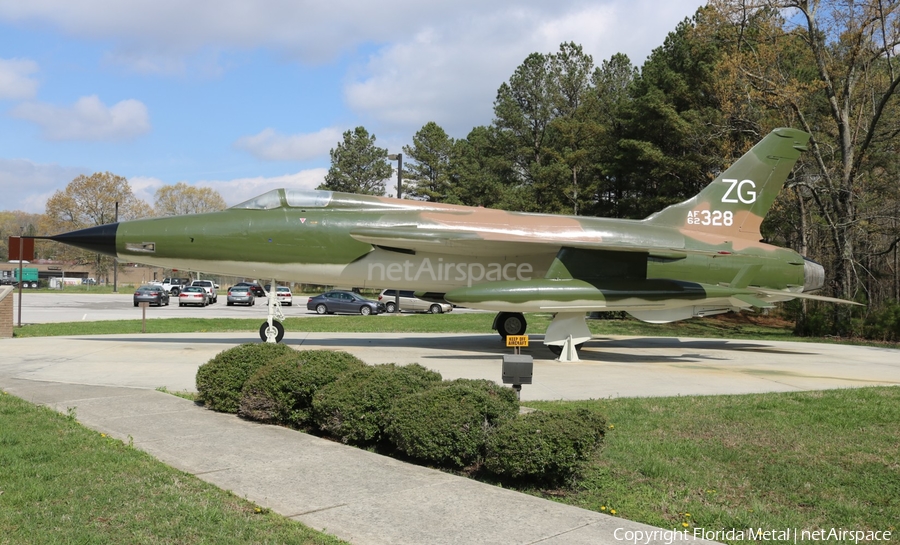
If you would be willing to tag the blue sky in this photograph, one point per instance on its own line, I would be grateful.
(245, 97)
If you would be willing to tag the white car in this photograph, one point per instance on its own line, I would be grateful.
(210, 287)
(284, 295)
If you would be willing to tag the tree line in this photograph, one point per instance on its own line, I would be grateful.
(99, 199)
(622, 141)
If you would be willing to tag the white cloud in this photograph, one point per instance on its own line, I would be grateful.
(87, 119)
(26, 186)
(270, 145)
(449, 70)
(242, 189)
(237, 190)
(15, 82)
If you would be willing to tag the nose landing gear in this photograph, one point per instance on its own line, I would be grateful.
(272, 331)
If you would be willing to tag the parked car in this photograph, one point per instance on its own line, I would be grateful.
(241, 295)
(193, 295)
(254, 287)
(344, 302)
(409, 302)
(175, 285)
(284, 295)
(151, 293)
(210, 287)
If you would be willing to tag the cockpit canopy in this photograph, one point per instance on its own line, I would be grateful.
(292, 198)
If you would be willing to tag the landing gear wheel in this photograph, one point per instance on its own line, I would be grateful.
(510, 323)
(265, 326)
(391, 308)
(365, 311)
(435, 309)
(321, 309)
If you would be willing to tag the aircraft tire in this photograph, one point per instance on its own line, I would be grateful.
(321, 309)
(390, 308)
(276, 325)
(511, 323)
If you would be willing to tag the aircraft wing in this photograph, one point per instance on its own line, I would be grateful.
(492, 243)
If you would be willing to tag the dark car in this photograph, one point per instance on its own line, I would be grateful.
(345, 302)
(254, 287)
(151, 293)
(242, 295)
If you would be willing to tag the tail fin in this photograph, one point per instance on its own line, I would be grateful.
(736, 202)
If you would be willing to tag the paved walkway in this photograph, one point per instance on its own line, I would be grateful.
(365, 498)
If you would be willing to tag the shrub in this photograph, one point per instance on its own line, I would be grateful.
(448, 425)
(353, 408)
(269, 394)
(883, 324)
(281, 392)
(546, 447)
(221, 379)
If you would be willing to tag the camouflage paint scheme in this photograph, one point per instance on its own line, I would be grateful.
(696, 258)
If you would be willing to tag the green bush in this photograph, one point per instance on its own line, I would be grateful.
(281, 392)
(221, 379)
(353, 408)
(546, 447)
(269, 395)
(883, 324)
(448, 425)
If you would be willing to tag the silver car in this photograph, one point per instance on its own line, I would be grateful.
(410, 303)
(210, 287)
(241, 295)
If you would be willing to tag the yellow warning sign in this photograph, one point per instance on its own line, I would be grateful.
(516, 340)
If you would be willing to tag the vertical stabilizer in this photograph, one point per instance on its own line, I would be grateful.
(736, 202)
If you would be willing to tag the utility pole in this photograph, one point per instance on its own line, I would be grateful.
(399, 158)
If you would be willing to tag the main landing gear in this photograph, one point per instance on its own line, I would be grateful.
(271, 331)
(565, 335)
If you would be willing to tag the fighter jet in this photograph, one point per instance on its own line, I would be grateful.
(698, 258)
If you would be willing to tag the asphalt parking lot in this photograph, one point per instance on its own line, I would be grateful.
(44, 308)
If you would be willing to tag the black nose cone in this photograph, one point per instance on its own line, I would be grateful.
(100, 239)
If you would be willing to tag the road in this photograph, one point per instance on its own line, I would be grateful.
(44, 308)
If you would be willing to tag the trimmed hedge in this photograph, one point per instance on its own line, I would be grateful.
(269, 394)
(320, 368)
(448, 425)
(353, 408)
(221, 379)
(543, 446)
(282, 391)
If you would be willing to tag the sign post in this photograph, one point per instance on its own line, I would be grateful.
(22, 251)
(517, 368)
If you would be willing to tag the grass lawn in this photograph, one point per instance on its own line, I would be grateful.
(808, 460)
(730, 326)
(63, 483)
